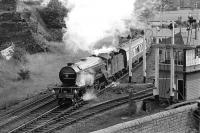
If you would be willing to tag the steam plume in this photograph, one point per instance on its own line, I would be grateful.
(91, 20)
(104, 50)
(89, 95)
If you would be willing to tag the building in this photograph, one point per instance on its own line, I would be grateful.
(187, 64)
(183, 4)
(165, 66)
(193, 73)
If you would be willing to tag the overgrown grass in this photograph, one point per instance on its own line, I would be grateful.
(42, 70)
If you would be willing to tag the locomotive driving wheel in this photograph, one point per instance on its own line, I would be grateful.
(63, 101)
(60, 101)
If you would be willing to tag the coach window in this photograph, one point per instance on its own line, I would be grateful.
(197, 52)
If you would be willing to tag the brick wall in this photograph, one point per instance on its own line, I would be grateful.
(177, 120)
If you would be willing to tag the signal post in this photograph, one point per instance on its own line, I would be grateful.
(156, 90)
(172, 85)
(130, 63)
(172, 73)
(144, 58)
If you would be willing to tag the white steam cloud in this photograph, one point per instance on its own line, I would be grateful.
(89, 95)
(103, 50)
(91, 20)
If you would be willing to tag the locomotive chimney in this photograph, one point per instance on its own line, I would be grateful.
(70, 64)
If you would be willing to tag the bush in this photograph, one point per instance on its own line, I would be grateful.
(53, 15)
(19, 55)
(56, 35)
(24, 74)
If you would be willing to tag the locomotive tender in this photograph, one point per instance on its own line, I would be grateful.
(94, 72)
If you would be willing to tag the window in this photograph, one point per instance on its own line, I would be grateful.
(167, 57)
(162, 56)
(180, 58)
(197, 53)
(160, 52)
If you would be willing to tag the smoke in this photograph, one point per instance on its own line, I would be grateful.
(104, 50)
(92, 20)
(89, 95)
(85, 78)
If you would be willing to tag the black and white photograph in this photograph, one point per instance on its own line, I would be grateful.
(99, 66)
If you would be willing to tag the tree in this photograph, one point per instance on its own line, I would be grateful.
(146, 14)
(54, 14)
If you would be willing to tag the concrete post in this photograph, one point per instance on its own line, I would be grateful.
(144, 58)
(156, 90)
(130, 63)
(172, 66)
(132, 104)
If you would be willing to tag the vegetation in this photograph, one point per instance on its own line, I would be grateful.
(19, 55)
(24, 74)
(53, 15)
(146, 14)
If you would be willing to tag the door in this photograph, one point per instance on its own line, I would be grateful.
(164, 87)
(181, 90)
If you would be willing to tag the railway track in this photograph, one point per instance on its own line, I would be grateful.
(36, 100)
(16, 117)
(73, 114)
(43, 107)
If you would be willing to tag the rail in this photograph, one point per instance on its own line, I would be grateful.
(36, 100)
(69, 118)
(18, 116)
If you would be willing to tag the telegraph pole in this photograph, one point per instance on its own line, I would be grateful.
(144, 57)
(172, 85)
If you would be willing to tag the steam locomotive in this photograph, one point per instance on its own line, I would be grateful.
(94, 72)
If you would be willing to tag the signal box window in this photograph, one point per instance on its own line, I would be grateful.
(197, 52)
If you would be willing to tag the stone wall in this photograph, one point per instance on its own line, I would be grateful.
(179, 120)
(8, 5)
(17, 27)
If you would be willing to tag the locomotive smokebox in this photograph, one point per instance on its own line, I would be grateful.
(68, 76)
